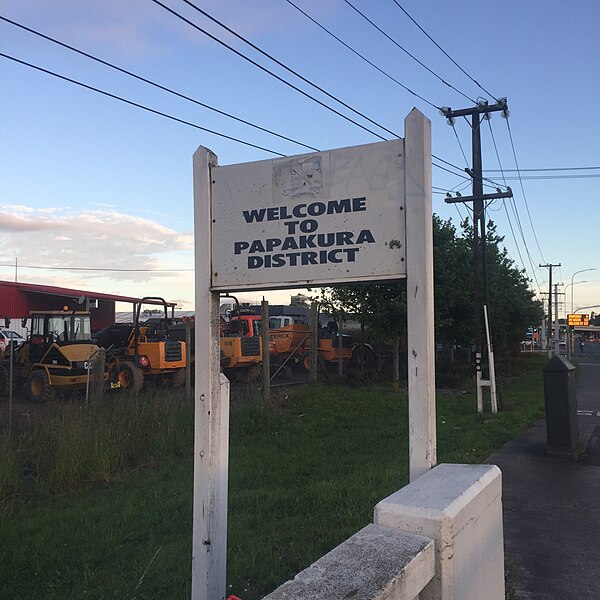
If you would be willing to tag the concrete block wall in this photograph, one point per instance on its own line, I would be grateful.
(460, 507)
(374, 564)
(438, 538)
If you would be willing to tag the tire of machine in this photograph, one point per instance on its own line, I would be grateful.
(4, 379)
(178, 378)
(364, 356)
(248, 374)
(38, 388)
(284, 372)
(130, 377)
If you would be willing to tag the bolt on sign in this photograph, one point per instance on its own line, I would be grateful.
(578, 320)
(313, 219)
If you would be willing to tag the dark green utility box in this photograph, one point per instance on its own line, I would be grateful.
(560, 400)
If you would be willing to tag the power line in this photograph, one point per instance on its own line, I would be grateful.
(160, 113)
(192, 99)
(109, 269)
(444, 52)
(451, 172)
(446, 162)
(262, 68)
(550, 177)
(459, 213)
(361, 55)
(518, 220)
(406, 51)
(508, 216)
(512, 145)
(485, 182)
(546, 169)
(137, 105)
(156, 85)
(461, 171)
(516, 214)
(459, 144)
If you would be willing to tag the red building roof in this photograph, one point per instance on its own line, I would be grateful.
(18, 299)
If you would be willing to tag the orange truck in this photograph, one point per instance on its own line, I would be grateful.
(241, 346)
(240, 342)
(289, 344)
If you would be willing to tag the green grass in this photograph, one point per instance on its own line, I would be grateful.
(305, 474)
(60, 446)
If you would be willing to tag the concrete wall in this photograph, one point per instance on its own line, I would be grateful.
(376, 563)
(460, 507)
(438, 538)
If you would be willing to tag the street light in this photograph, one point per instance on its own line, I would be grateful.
(567, 287)
(582, 271)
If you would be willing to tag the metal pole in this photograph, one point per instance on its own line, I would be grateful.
(10, 387)
(572, 276)
(556, 326)
(550, 342)
(314, 341)
(266, 358)
(87, 383)
(569, 341)
(188, 360)
(492, 366)
(340, 346)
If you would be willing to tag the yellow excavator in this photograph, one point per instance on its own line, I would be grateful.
(56, 355)
(138, 352)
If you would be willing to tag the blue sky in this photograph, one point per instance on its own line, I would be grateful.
(86, 181)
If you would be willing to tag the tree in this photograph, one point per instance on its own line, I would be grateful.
(453, 284)
(513, 307)
(382, 307)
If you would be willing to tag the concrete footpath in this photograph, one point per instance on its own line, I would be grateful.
(552, 505)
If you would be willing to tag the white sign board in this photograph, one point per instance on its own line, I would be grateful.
(308, 220)
(347, 215)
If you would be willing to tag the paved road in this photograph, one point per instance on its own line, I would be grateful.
(590, 348)
(552, 505)
(588, 407)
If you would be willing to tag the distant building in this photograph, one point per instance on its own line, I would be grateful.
(300, 300)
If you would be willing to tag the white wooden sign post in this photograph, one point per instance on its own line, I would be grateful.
(358, 214)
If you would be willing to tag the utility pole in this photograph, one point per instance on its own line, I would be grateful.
(477, 113)
(549, 341)
(556, 323)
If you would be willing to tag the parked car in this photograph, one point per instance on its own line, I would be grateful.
(7, 336)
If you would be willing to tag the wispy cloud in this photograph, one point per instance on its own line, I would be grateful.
(99, 239)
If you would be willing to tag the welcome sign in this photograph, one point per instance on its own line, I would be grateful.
(340, 216)
(309, 220)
